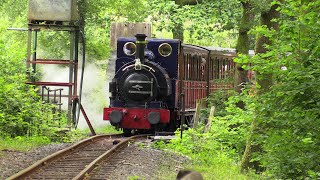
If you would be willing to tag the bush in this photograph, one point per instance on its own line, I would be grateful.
(21, 111)
(209, 155)
(287, 114)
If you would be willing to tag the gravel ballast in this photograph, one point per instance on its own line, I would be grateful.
(153, 163)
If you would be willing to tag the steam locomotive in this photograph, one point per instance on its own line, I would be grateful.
(157, 82)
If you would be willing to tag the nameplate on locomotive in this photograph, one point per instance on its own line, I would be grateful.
(140, 92)
(140, 82)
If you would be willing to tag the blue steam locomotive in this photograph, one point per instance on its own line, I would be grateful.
(157, 82)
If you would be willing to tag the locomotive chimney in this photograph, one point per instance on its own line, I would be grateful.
(141, 45)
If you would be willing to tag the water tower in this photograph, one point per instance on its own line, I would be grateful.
(45, 16)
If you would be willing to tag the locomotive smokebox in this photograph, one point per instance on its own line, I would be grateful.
(141, 45)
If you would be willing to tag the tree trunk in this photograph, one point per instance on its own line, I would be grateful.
(265, 81)
(178, 31)
(178, 27)
(82, 6)
(243, 46)
(187, 2)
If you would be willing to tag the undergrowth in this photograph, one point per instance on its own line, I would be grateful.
(23, 144)
(213, 159)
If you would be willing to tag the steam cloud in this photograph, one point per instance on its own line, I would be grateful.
(94, 91)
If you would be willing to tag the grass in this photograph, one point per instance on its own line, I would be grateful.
(135, 178)
(23, 144)
(216, 168)
(211, 161)
(26, 143)
(106, 130)
(219, 167)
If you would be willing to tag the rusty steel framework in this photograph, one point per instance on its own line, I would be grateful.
(32, 61)
(57, 16)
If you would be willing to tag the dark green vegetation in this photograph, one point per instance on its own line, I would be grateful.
(276, 129)
(21, 112)
(271, 125)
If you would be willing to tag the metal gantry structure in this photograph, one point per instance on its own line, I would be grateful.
(55, 89)
(58, 16)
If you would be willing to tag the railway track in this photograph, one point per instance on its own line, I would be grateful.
(80, 161)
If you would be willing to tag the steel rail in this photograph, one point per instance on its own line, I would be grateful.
(37, 165)
(85, 172)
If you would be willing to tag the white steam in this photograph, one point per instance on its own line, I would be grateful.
(95, 94)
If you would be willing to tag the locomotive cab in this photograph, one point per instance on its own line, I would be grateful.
(141, 91)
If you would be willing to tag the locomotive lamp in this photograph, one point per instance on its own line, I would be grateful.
(129, 49)
(137, 64)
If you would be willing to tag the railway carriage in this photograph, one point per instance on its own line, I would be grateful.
(157, 82)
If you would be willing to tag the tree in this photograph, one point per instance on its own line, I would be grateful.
(264, 81)
(21, 110)
(203, 23)
(187, 2)
(243, 45)
(178, 26)
(291, 142)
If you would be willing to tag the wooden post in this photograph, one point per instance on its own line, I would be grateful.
(199, 106)
(210, 119)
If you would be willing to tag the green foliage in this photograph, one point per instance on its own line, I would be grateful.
(98, 16)
(288, 115)
(14, 11)
(135, 178)
(207, 23)
(97, 42)
(78, 134)
(53, 44)
(231, 124)
(209, 155)
(74, 136)
(108, 129)
(21, 111)
(126, 10)
(218, 99)
(24, 144)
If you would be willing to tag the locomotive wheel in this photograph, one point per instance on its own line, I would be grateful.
(127, 132)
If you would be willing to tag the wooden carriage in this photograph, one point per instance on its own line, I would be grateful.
(202, 71)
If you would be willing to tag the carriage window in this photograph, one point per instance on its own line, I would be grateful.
(129, 48)
(165, 49)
